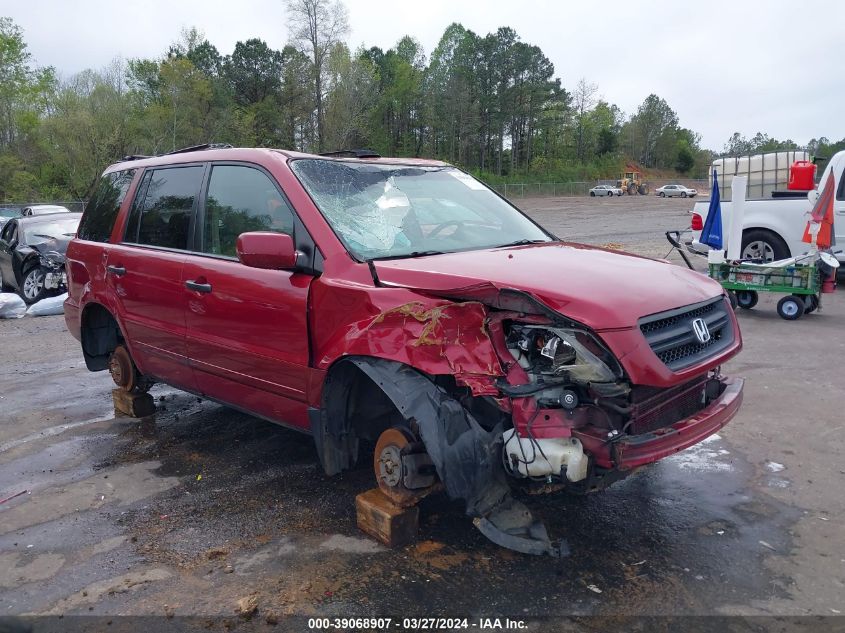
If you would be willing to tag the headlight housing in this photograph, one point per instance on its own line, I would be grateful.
(571, 353)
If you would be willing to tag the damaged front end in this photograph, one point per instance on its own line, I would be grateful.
(554, 409)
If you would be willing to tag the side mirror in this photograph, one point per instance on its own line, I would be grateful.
(272, 251)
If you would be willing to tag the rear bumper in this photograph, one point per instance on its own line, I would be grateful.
(639, 450)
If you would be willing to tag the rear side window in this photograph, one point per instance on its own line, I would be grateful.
(163, 217)
(241, 199)
(102, 209)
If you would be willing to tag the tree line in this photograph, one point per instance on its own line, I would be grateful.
(488, 103)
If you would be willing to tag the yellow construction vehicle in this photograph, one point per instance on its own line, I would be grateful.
(632, 182)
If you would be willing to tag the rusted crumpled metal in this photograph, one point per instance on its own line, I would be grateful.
(425, 337)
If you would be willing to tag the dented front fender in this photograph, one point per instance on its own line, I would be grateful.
(433, 335)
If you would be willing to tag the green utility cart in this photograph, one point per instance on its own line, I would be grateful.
(800, 283)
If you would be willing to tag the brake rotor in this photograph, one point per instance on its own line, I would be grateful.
(392, 444)
(122, 369)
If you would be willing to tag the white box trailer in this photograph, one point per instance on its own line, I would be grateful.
(765, 172)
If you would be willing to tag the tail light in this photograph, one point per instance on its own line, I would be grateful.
(697, 222)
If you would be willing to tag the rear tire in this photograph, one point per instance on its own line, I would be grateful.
(811, 303)
(762, 244)
(791, 307)
(732, 299)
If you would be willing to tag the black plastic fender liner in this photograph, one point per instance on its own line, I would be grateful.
(467, 457)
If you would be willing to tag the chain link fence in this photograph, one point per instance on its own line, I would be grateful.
(582, 188)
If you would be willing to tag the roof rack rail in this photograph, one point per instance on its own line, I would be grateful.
(354, 153)
(197, 148)
(184, 150)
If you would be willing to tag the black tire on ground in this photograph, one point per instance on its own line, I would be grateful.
(791, 307)
(32, 285)
(811, 302)
(683, 194)
(593, 194)
(746, 299)
(662, 194)
(763, 244)
(732, 299)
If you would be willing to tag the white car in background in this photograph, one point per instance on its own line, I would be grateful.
(43, 209)
(675, 190)
(605, 190)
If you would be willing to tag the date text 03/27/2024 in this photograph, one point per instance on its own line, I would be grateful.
(417, 624)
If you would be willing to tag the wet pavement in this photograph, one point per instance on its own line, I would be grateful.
(187, 513)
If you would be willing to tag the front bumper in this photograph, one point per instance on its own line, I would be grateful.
(638, 450)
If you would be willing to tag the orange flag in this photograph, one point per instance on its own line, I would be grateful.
(822, 213)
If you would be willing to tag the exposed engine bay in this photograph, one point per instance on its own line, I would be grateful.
(571, 371)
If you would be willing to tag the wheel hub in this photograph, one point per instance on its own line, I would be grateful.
(758, 249)
(32, 284)
(121, 369)
(390, 465)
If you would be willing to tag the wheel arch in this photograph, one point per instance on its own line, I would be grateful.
(27, 261)
(353, 406)
(100, 333)
(762, 226)
(466, 455)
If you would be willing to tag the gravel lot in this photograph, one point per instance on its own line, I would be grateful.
(203, 506)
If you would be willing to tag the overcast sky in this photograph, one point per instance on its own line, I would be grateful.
(724, 66)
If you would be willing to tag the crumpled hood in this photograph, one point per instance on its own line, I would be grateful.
(53, 246)
(600, 288)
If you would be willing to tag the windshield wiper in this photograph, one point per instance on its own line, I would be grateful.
(410, 255)
(524, 243)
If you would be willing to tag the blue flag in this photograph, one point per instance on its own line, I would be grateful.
(711, 234)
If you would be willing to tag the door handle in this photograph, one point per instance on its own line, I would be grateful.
(116, 270)
(198, 287)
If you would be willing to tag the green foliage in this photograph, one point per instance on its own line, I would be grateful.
(685, 159)
(491, 104)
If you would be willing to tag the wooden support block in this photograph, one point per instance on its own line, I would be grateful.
(135, 405)
(379, 517)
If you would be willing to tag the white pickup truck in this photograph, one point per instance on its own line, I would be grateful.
(772, 228)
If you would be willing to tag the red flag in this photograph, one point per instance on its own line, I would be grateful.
(822, 213)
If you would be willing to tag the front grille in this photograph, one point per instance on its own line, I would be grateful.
(654, 408)
(672, 338)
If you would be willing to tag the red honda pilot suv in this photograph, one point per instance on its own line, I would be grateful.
(402, 302)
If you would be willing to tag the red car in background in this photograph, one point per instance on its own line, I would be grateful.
(399, 301)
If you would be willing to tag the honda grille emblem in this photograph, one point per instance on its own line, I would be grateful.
(701, 331)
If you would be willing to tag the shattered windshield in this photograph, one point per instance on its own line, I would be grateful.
(54, 234)
(384, 211)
